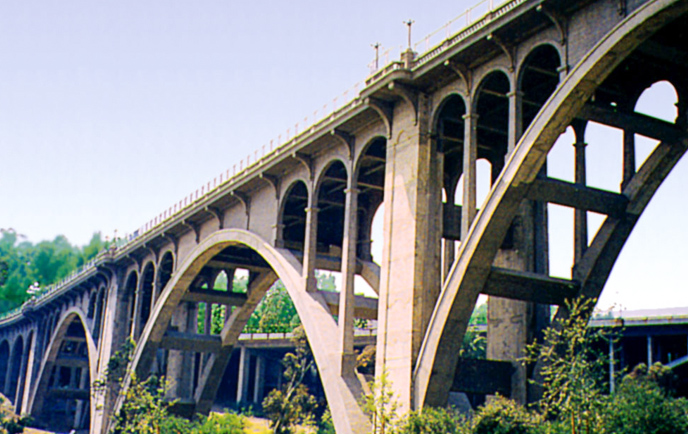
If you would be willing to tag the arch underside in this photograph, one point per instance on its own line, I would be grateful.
(267, 264)
(61, 398)
(623, 47)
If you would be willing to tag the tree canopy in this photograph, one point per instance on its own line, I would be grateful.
(24, 264)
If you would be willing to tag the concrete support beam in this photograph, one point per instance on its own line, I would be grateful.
(230, 265)
(527, 286)
(70, 393)
(227, 298)
(633, 123)
(578, 196)
(72, 362)
(182, 341)
(363, 307)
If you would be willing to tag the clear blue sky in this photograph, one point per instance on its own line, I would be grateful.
(111, 112)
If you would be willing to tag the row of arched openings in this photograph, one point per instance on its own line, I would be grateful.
(141, 292)
(331, 204)
(13, 363)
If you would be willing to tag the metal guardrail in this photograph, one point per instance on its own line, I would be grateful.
(465, 26)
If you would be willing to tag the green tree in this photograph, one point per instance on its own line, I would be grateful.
(381, 405)
(292, 404)
(275, 313)
(95, 246)
(644, 404)
(572, 371)
(145, 410)
(23, 264)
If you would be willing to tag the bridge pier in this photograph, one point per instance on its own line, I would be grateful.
(410, 269)
(180, 363)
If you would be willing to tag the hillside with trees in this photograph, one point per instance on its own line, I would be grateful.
(24, 264)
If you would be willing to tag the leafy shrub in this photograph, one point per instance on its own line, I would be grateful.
(643, 405)
(145, 410)
(326, 426)
(432, 420)
(292, 404)
(10, 423)
(504, 416)
(229, 423)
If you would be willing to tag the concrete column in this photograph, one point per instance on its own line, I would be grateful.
(136, 319)
(32, 347)
(180, 363)
(80, 405)
(348, 270)
(649, 351)
(278, 230)
(513, 323)
(310, 246)
(515, 119)
(242, 379)
(628, 157)
(470, 155)
(449, 248)
(448, 257)
(410, 268)
(259, 381)
(208, 320)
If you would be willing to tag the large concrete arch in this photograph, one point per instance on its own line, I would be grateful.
(317, 321)
(39, 392)
(438, 356)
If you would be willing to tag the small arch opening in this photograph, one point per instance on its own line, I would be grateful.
(129, 300)
(165, 270)
(492, 109)
(371, 185)
(293, 219)
(147, 280)
(331, 205)
(539, 79)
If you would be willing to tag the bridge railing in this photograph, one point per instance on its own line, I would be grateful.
(463, 26)
(457, 29)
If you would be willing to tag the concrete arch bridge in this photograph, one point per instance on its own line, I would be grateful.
(495, 96)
